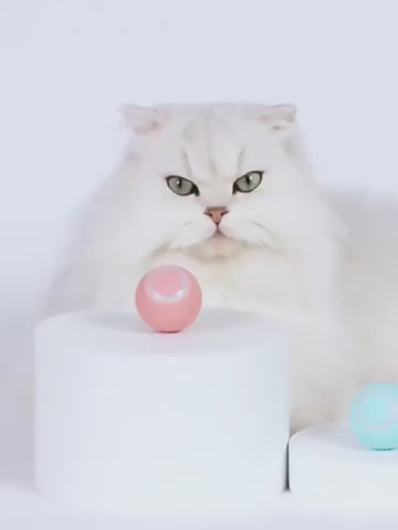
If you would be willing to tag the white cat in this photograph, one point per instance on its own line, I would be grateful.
(226, 190)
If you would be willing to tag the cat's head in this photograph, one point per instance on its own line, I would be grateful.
(213, 179)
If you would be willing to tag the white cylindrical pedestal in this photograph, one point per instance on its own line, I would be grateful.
(131, 421)
(327, 465)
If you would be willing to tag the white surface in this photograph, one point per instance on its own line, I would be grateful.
(23, 509)
(132, 421)
(327, 464)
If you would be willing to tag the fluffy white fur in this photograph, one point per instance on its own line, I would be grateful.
(289, 251)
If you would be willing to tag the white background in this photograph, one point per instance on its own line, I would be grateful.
(66, 66)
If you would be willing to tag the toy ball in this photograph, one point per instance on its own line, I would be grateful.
(374, 416)
(168, 298)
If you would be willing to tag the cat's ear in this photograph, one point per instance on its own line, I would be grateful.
(281, 119)
(141, 120)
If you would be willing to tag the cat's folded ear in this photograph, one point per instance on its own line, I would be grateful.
(141, 120)
(281, 119)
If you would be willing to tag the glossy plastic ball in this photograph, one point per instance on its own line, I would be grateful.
(374, 416)
(168, 298)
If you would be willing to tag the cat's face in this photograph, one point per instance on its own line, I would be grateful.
(210, 180)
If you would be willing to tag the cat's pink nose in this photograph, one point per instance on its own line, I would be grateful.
(216, 213)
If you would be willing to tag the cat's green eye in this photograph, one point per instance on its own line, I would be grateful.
(182, 186)
(248, 182)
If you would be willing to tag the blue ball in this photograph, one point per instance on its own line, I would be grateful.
(374, 416)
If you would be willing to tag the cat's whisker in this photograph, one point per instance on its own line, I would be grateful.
(275, 245)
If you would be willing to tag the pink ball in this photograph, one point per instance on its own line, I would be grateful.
(168, 298)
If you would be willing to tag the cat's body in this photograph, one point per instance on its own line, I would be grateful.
(283, 248)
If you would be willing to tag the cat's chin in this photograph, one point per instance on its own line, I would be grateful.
(217, 246)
